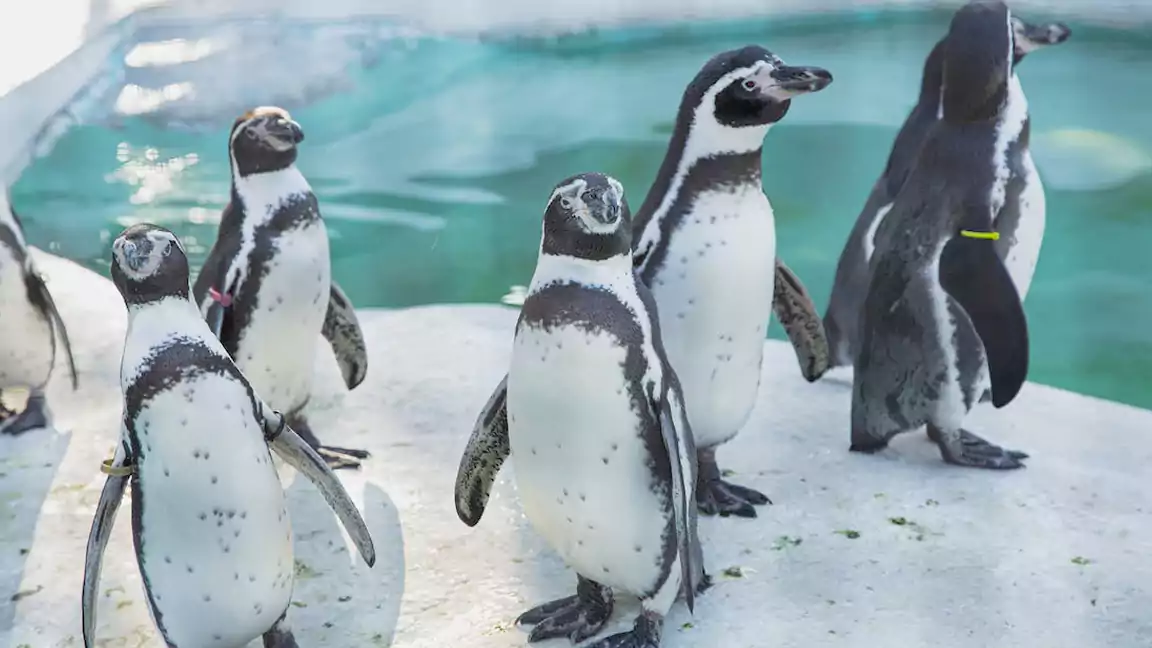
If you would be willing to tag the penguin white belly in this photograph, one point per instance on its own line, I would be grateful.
(215, 542)
(581, 461)
(714, 297)
(277, 349)
(1029, 236)
(25, 334)
(949, 408)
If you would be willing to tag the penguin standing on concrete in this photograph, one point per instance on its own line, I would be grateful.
(706, 247)
(31, 329)
(841, 318)
(942, 322)
(266, 288)
(594, 416)
(212, 535)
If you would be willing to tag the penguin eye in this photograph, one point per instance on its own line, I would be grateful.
(566, 203)
(749, 84)
(168, 249)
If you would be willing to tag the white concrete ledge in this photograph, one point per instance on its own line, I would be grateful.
(1054, 555)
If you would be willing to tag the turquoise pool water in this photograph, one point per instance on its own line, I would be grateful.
(433, 160)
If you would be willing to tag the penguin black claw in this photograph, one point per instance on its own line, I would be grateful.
(718, 497)
(714, 496)
(33, 417)
(644, 634)
(575, 617)
(337, 459)
(976, 452)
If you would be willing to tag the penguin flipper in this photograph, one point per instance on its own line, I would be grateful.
(298, 454)
(682, 460)
(972, 273)
(487, 450)
(342, 330)
(39, 296)
(98, 536)
(805, 329)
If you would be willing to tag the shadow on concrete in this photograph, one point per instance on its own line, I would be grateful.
(28, 466)
(338, 600)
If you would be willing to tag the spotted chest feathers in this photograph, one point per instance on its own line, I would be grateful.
(25, 334)
(212, 532)
(591, 468)
(714, 295)
(284, 272)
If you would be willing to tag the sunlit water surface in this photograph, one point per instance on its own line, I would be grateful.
(432, 157)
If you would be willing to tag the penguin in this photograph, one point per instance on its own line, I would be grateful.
(31, 329)
(942, 326)
(594, 416)
(841, 317)
(706, 248)
(266, 287)
(212, 536)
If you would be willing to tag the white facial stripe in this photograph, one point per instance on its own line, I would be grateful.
(617, 187)
(570, 191)
(708, 137)
(1011, 38)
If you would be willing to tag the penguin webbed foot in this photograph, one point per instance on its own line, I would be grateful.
(34, 417)
(715, 496)
(644, 634)
(336, 458)
(723, 498)
(280, 636)
(972, 451)
(575, 617)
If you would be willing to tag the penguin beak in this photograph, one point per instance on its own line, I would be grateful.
(603, 204)
(1030, 38)
(784, 82)
(134, 252)
(282, 133)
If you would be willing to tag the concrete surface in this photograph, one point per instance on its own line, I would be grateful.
(1054, 555)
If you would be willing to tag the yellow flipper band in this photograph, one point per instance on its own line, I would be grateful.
(107, 468)
(991, 236)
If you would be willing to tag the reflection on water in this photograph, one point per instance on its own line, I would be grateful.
(433, 163)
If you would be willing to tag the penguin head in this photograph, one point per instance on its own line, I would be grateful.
(1029, 38)
(747, 87)
(148, 264)
(587, 217)
(264, 139)
(978, 55)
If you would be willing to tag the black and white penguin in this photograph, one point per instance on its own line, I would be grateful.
(594, 416)
(942, 324)
(841, 318)
(266, 288)
(706, 247)
(31, 329)
(212, 535)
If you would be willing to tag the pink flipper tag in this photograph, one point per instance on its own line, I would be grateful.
(216, 295)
